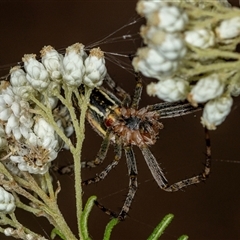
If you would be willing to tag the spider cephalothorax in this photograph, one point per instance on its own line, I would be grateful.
(136, 127)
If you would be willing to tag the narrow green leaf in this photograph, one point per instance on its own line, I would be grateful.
(158, 231)
(84, 217)
(183, 237)
(109, 228)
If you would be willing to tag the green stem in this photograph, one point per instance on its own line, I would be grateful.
(215, 67)
(47, 178)
(80, 135)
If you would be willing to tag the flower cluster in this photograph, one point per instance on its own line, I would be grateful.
(190, 51)
(28, 138)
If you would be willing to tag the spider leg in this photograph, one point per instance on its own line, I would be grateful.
(113, 164)
(137, 92)
(198, 178)
(154, 167)
(126, 97)
(101, 155)
(132, 172)
(169, 110)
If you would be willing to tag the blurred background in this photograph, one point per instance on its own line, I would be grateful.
(205, 211)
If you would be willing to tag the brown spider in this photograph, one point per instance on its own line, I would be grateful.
(124, 125)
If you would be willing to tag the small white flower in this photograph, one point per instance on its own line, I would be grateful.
(169, 18)
(73, 65)
(235, 88)
(46, 134)
(173, 47)
(144, 8)
(7, 201)
(9, 231)
(152, 64)
(37, 75)
(15, 111)
(50, 102)
(169, 90)
(216, 111)
(170, 46)
(52, 61)
(95, 68)
(201, 38)
(206, 88)
(229, 28)
(18, 77)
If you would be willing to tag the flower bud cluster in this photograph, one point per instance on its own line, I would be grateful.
(179, 38)
(32, 141)
(165, 46)
(42, 148)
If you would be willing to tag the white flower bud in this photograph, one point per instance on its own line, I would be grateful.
(215, 112)
(18, 77)
(169, 90)
(152, 64)
(173, 47)
(201, 38)
(229, 28)
(37, 75)
(170, 46)
(73, 65)
(9, 231)
(52, 61)
(15, 111)
(144, 8)
(206, 88)
(95, 68)
(169, 18)
(234, 88)
(7, 201)
(45, 132)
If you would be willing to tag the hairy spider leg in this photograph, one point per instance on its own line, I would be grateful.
(120, 92)
(171, 110)
(132, 188)
(101, 155)
(113, 164)
(198, 178)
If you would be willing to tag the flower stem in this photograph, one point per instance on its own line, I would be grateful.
(80, 135)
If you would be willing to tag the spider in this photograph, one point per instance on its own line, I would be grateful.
(124, 125)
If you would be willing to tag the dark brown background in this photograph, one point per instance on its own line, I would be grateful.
(207, 211)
